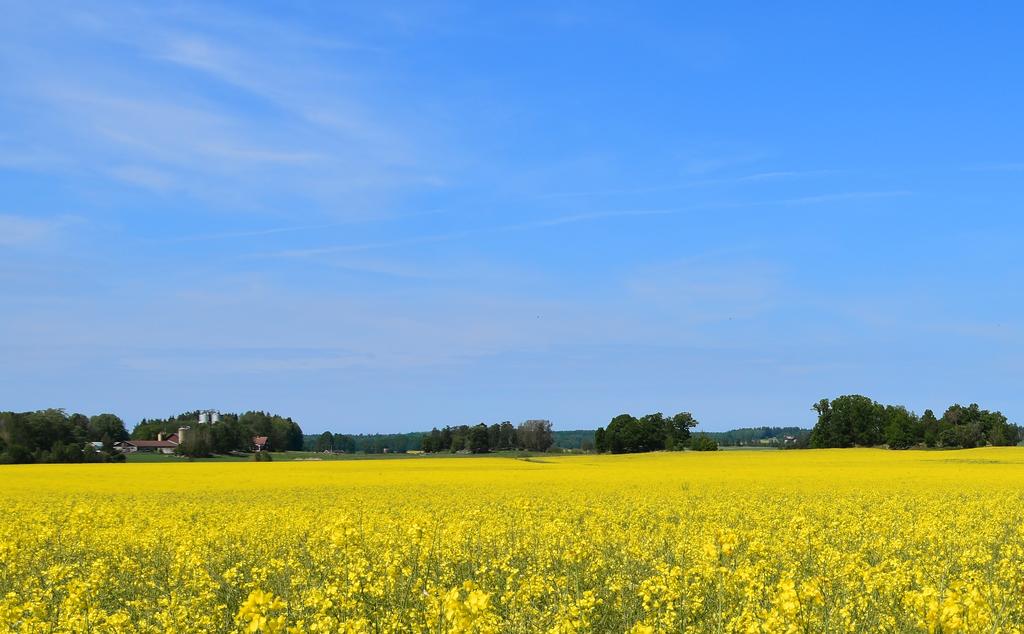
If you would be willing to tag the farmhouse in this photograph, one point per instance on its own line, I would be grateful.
(260, 443)
(154, 446)
(162, 444)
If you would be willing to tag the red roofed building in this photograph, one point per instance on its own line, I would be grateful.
(260, 443)
(163, 443)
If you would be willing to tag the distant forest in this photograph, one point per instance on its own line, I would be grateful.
(568, 440)
(53, 435)
(531, 435)
(578, 439)
(760, 436)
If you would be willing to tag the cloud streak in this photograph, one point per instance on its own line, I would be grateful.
(246, 110)
(757, 177)
(22, 231)
(579, 218)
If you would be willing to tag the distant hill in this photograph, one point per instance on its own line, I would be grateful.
(575, 439)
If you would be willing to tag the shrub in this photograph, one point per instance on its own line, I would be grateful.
(703, 442)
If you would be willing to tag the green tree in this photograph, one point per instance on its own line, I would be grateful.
(344, 442)
(535, 435)
(703, 442)
(970, 426)
(848, 421)
(432, 442)
(627, 434)
(325, 442)
(107, 424)
(653, 432)
(900, 427)
(621, 434)
(679, 429)
(1003, 433)
(197, 443)
(506, 435)
(824, 433)
(929, 428)
(479, 439)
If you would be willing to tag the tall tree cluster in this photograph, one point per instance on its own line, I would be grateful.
(653, 432)
(855, 420)
(52, 435)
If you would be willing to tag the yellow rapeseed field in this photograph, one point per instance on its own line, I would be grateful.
(741, 541)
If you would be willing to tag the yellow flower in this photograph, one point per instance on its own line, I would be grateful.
(757, 542)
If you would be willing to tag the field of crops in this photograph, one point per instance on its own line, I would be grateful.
(770, 541)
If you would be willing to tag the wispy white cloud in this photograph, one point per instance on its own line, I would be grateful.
(246, 110)
(365, 246)
(268, 231)
(30, 158)
(290, 80)
(232, 360)
(998, 167)
(773, 176)
(468, 233)
(146, 177)
(841, 196)
(713, 286)
(755, 177)
(164, 133)
(709, 164)
(19, 231)
(229, 235)
(577, 218)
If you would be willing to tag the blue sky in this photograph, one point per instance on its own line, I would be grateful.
(385, 217)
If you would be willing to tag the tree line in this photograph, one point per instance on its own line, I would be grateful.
(232, 433)
(572, 439)
(363, 443)
(53, 435)
(855, 420)
(530, 435)
(625, 434)
(654, 432)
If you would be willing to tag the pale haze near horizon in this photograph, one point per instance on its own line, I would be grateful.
(381, 218)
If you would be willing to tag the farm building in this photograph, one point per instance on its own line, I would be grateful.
(260, 443)
(163, 443)
(155, 446)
